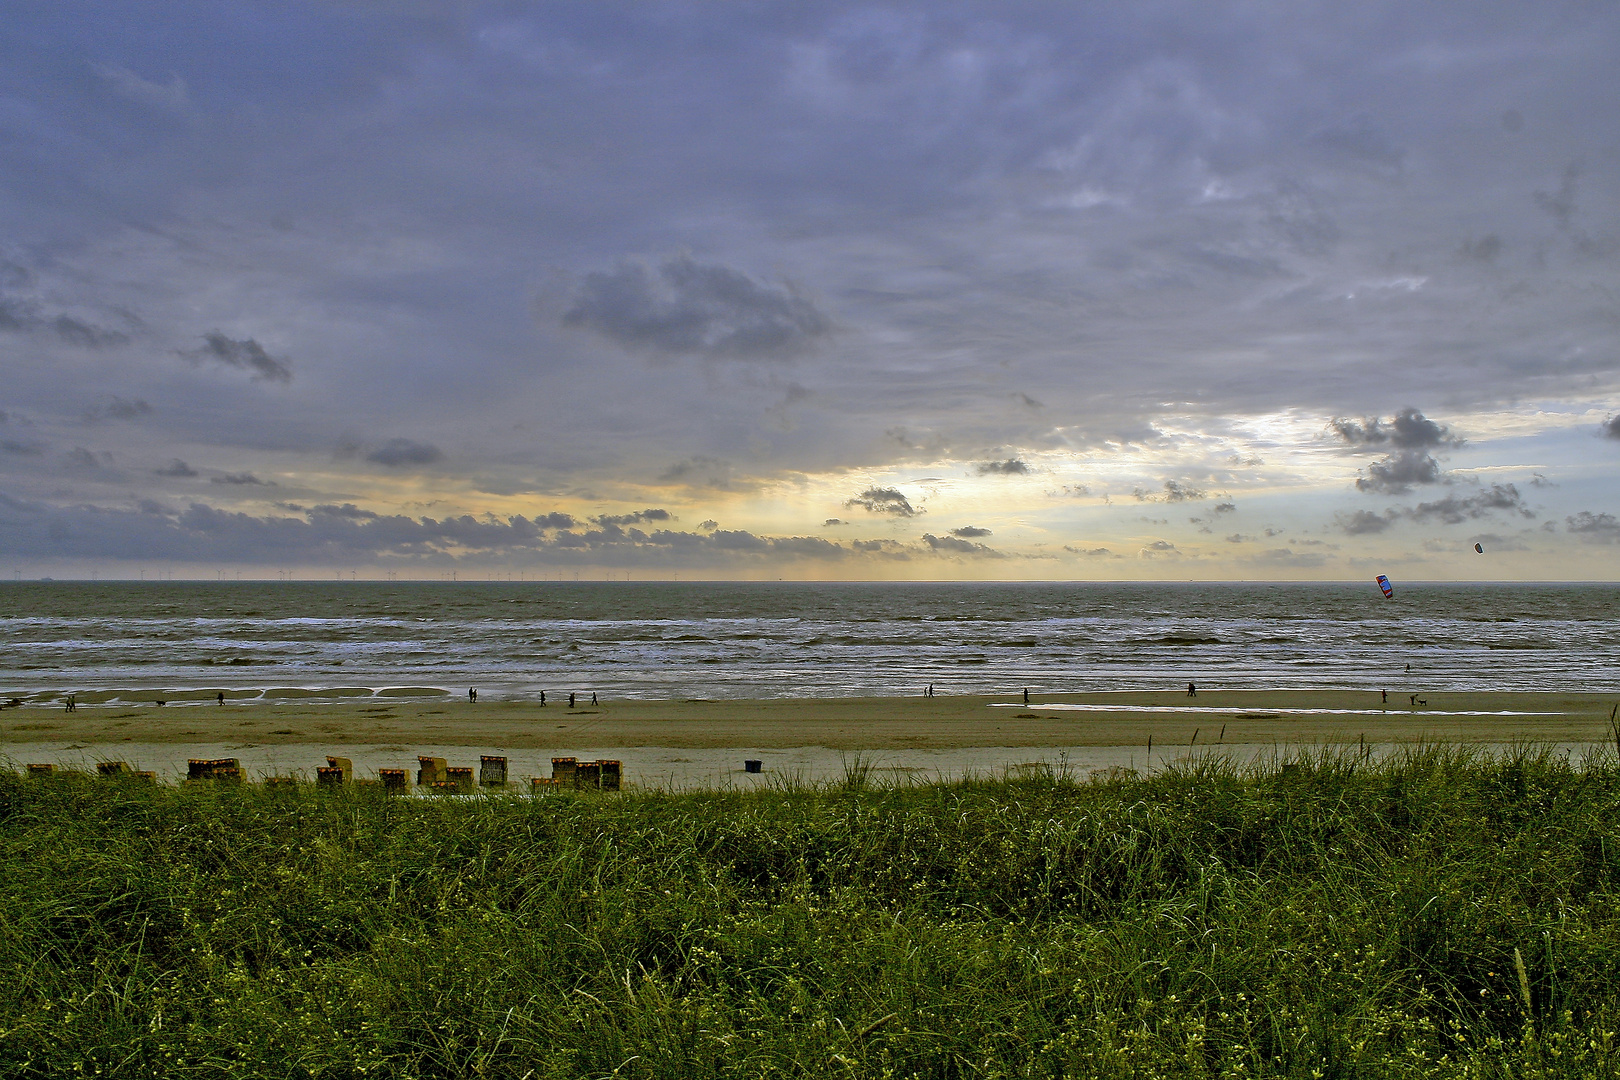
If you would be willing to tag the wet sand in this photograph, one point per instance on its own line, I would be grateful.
(1125, 719)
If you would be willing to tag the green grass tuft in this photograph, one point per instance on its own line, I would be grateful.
(1440, 913)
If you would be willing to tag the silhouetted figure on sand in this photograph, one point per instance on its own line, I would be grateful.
(1192, 691)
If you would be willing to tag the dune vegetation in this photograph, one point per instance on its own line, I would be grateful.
(1443, 912)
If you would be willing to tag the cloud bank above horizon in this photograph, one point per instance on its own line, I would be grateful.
(834, 290)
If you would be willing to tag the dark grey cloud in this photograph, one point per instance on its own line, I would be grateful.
(738, 540)
(1610, 429)
(1411, 438)
(888, 549)
(75, 332)
(1399, 473)
(1406, 430)
(831, 522)
(701, 472)
(885, 501)
(240, 479)
(1174, 491)
(23, 315)
(246, 354)
(683, 306)
(92, 464)
(1458, 508)
(177, 469)
(1365, 522)
(951, 545)
(1071, 491)
(118, 409)
(1454, 509)
(636, 518)
(1290, 557)
(1092, 553)
(1010, 467)
(1224, 507)
(1158, 549)
(969, 532)
(397, 453)
(22, 448)
(346, 510)
(1594, 528)
(343, 533)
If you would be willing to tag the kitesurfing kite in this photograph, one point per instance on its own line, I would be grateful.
(1383, 583)
(1479, 549)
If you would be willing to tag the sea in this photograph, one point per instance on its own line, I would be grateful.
(112, 641)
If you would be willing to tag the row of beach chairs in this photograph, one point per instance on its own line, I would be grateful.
(433, 774)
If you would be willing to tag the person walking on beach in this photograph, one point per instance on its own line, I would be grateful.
(71, 704)
(1192, 691)
(222, 697)
(1026, 695)
(593, 697)
(542, 699)
(472, 695)
(570, 700)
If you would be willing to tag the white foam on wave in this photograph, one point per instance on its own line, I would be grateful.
(208, 695)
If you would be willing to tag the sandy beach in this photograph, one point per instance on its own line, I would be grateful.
(691, 739)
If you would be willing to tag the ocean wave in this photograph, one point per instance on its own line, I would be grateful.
(665, 641)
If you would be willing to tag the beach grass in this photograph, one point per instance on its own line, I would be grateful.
(1441, 912)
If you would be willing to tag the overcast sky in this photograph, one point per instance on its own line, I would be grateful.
(799, 290)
